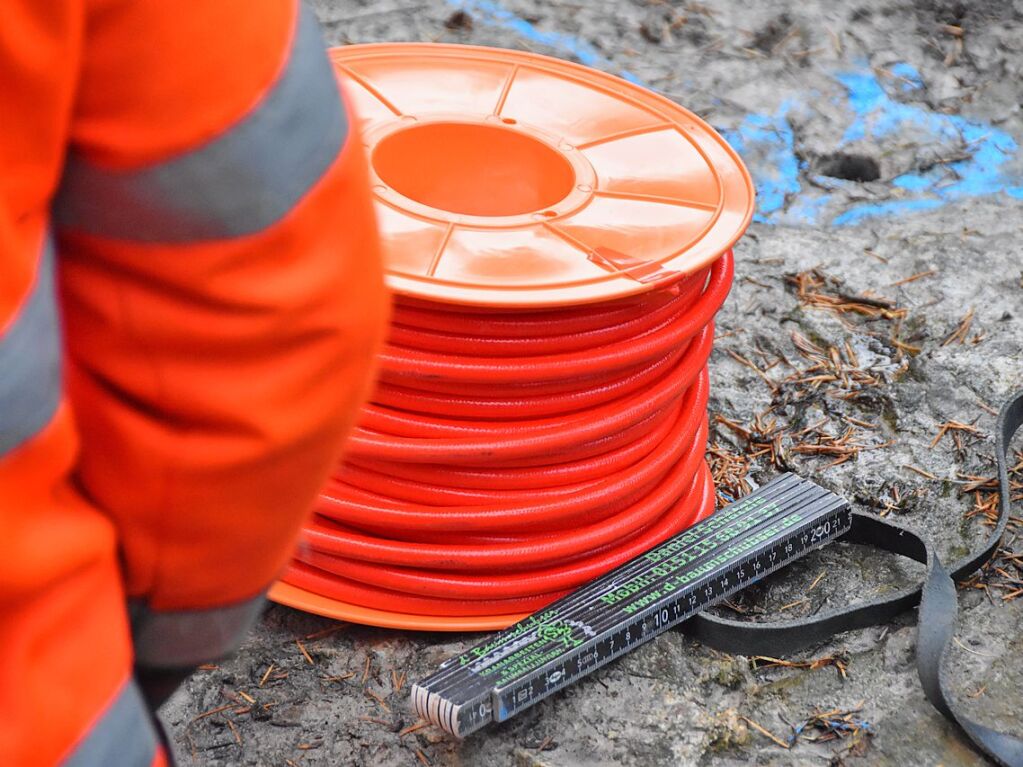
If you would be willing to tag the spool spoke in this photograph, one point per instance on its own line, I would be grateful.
(440, 250)
(504, 90)
(626, 134)
(655, 198)
(370, 88)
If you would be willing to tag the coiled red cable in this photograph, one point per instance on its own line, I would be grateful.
(509, 457)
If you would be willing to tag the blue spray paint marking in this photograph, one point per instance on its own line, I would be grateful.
(777, 176)
(767, 143)
(876, 115)
(909, 78)
(494, 14)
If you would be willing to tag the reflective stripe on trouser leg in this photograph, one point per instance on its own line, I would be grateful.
(124, 735)
(240, 182)
(30, 354)
(184, 638)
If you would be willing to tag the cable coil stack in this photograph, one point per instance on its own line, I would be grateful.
(541, 411)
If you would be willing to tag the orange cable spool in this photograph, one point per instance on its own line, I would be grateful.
(558, 241)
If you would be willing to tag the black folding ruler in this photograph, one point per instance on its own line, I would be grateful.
(631, 604)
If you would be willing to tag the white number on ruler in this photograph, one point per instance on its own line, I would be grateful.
(822, 531)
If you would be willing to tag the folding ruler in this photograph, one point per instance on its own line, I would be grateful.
(630, 605)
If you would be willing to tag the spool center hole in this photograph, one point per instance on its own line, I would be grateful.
(473, 169)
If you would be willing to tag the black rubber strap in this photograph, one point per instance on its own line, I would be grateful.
(936, 596)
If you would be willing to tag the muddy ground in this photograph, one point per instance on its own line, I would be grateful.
(883, 139)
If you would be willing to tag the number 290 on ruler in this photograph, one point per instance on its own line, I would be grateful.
(713, 559)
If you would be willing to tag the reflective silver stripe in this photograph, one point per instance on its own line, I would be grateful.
(30, 360)
(239, 183)
(124, 735)
(182, 638)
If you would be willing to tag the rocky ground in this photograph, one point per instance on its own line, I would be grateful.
(885, 263)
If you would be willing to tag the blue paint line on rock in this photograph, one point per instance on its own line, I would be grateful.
(494, 14)
(907, 76)
(777, 173)
(876, 115)
(767, 141)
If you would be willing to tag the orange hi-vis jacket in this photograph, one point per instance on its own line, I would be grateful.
(190, 299)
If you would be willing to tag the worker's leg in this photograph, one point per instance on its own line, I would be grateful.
(66, 692)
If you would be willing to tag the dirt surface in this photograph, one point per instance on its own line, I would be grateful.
(882, 136)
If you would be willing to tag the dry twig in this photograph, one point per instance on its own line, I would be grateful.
(305, 653)
(962, 330)
(840, 663)
(765, 732)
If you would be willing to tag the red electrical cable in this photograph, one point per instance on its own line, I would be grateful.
(510, 456)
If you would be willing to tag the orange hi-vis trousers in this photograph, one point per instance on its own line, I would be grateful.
(190, 300)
